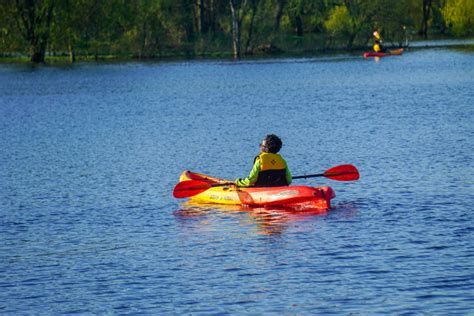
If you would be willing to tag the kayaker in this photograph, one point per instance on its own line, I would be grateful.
(269, 168)
(378, 46)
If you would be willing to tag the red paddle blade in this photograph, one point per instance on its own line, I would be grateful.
(343, 173)
(190, 188)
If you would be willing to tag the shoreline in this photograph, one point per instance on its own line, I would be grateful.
(18, 58)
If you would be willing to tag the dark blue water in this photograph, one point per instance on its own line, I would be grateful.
(90, 155)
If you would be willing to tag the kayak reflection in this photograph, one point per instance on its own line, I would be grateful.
(268, 220)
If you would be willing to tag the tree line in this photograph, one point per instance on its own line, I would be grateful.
(157, 28)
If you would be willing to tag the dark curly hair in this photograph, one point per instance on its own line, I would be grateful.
(273, 143)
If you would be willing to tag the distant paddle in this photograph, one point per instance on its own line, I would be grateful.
(191, 188)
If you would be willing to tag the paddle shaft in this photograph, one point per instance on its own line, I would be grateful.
(348, 173)
(222, 184)
(309, 176)
(295, 177)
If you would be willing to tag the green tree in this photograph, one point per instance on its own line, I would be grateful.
(350, 20)
(148, 32)
(259, 22)
(10, 41)
(239, 10)
(393, 19)
(426, 8)
(251, 24)
(34, 19)
(279, 10)
(307, 16)
(459, 15)
(149, 28)
(339, 22)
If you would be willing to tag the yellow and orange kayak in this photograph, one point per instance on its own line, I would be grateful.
(298, 197)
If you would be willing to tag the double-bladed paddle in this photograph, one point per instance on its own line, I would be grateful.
(190, 188)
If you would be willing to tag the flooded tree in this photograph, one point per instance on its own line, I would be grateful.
(34, 20)
(238, 11)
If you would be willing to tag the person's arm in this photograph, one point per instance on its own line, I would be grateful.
(289, 177)
(252, 178)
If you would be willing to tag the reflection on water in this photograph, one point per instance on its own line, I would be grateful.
(267, 220)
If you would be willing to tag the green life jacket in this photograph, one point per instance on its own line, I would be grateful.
(272, 170)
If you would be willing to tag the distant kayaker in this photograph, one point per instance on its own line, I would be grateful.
(269, 168)
(378, 46)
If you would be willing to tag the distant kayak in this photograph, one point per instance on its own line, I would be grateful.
(395, 52)
(298, 197)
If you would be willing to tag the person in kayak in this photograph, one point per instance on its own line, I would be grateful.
(378, 46)
(269, 168)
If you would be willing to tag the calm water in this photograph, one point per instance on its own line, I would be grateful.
(90, 154)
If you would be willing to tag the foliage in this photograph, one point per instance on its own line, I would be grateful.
(339, 22)
(459, 15)
(154, 28)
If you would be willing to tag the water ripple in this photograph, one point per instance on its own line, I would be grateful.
(88, 224)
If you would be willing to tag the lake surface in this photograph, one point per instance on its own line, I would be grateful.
(90, 154)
